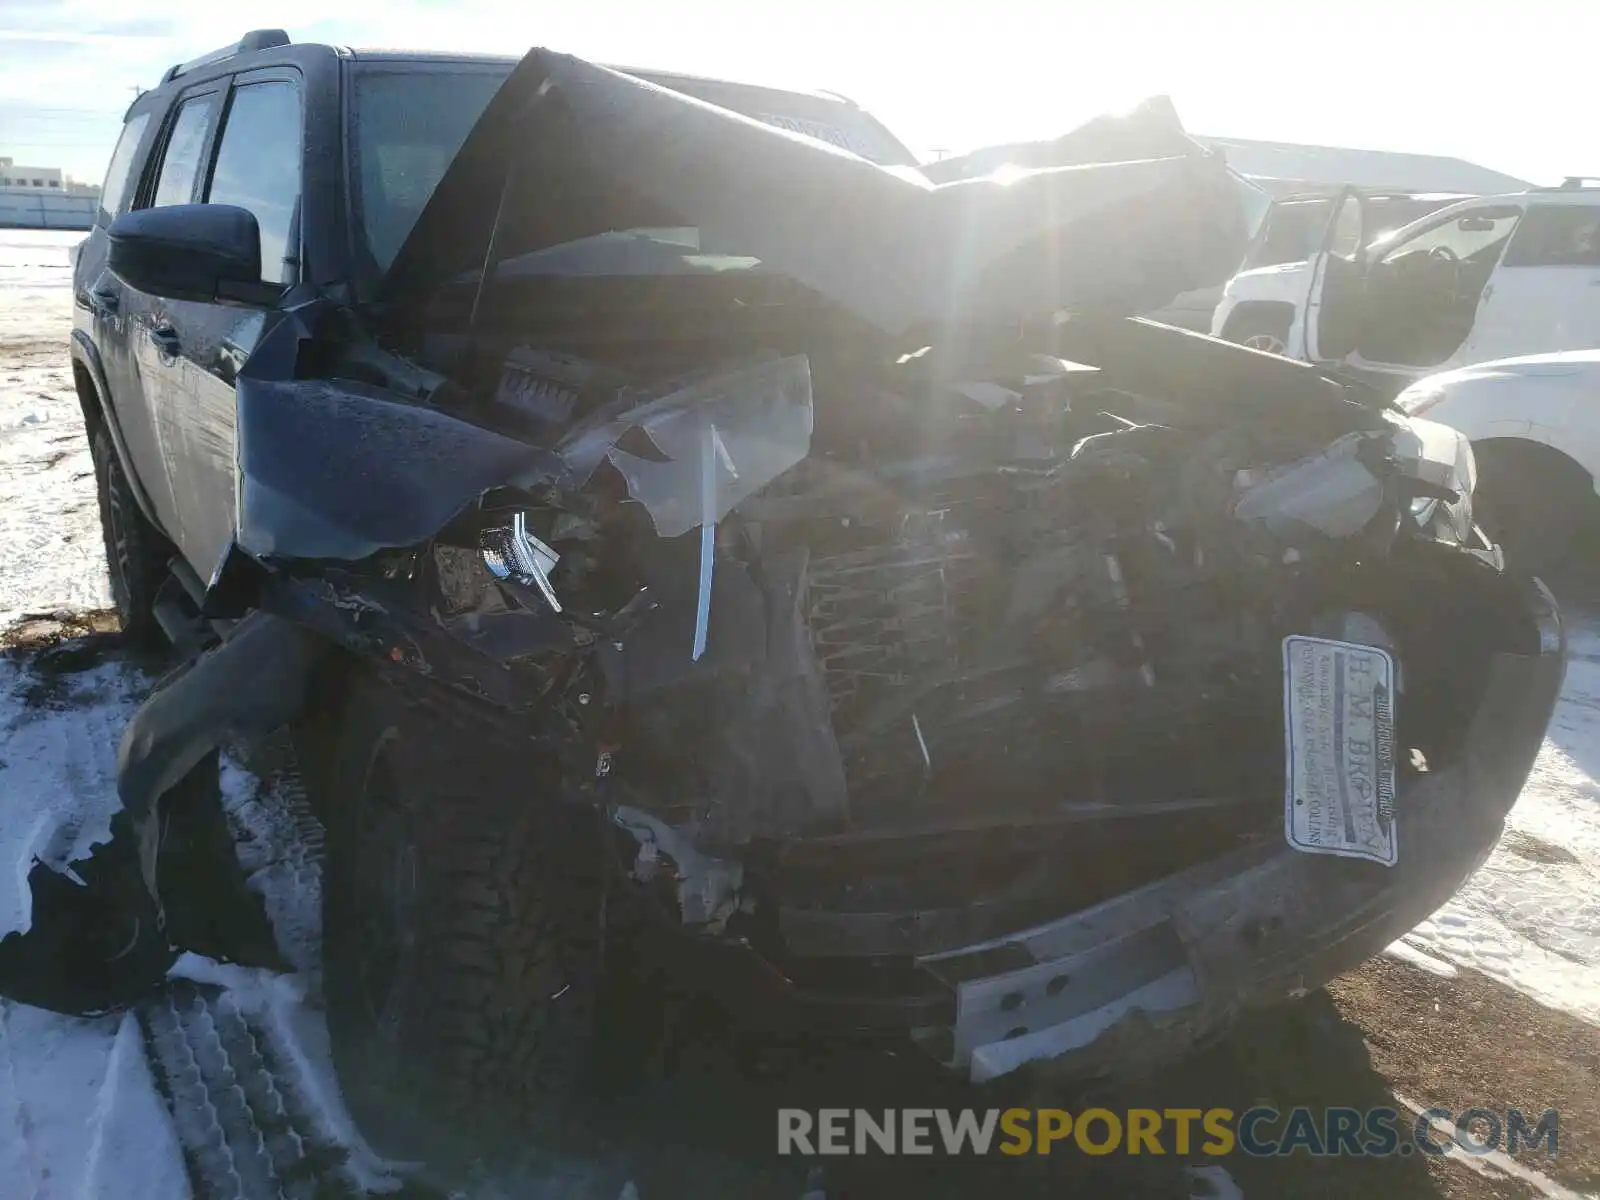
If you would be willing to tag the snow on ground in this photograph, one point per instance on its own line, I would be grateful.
(244, 1053)
(58, 760)
(1530, 917)
(51, 555)
(79, 1113)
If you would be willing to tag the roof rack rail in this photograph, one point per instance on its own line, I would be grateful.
(1572, 183)
(256, 39)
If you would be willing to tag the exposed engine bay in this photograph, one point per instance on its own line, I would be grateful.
(810, 597)
(1014, 587)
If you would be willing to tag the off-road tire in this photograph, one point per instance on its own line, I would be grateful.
(1257, 329)
(136, 553)
(1535, 502)
(490, 1033)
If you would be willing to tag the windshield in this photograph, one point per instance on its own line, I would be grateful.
(1389, 215)
(406, 125)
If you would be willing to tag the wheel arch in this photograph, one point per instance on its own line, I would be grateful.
(1542, 452)
(94, 398)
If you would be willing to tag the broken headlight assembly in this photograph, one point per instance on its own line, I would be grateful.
(1439, 462)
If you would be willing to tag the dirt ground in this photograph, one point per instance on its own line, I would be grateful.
(1471, 1041)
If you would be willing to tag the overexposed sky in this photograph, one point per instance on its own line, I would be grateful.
(1507, 85)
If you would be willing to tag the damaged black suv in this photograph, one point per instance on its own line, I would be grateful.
(678, 531)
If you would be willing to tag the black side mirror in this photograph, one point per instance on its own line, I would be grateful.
(204, 252)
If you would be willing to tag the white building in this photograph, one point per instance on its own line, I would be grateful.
(13, 175)
(44, 198)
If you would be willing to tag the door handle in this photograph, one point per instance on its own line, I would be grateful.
(106, 300)
(166, 339)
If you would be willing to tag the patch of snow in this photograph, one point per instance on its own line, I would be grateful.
(31, 257)
(51, 555)
(1403, 951)
(300, 1034)
(79, 1114)
(134, 1151)
(1530, 916)
(278, 841)
(58, 749)
(278, 1006)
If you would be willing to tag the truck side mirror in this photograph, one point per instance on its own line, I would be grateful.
(203, 252)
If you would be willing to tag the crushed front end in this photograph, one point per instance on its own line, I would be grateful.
(943, 654)
(957, 707)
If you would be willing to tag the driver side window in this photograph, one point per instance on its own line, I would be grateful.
(1465, 235)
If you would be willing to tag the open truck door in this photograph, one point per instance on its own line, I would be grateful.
(1326, 329)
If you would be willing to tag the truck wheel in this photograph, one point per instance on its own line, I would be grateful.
(461, 926)
(1534, 501)
(136, 554)
(1264, 331)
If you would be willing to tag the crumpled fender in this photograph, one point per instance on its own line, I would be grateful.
(101, 937)
(340, 470)
(253, 683)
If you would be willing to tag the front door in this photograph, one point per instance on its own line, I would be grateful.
(146, 319)
(1324, 326)
(1411, 306)
(257, 167)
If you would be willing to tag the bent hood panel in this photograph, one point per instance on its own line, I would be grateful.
(1150, 130)
(589, 149)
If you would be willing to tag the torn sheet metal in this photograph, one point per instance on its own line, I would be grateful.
(1333, 492)
(1149, 129)
(708, 888)
(722, 439)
